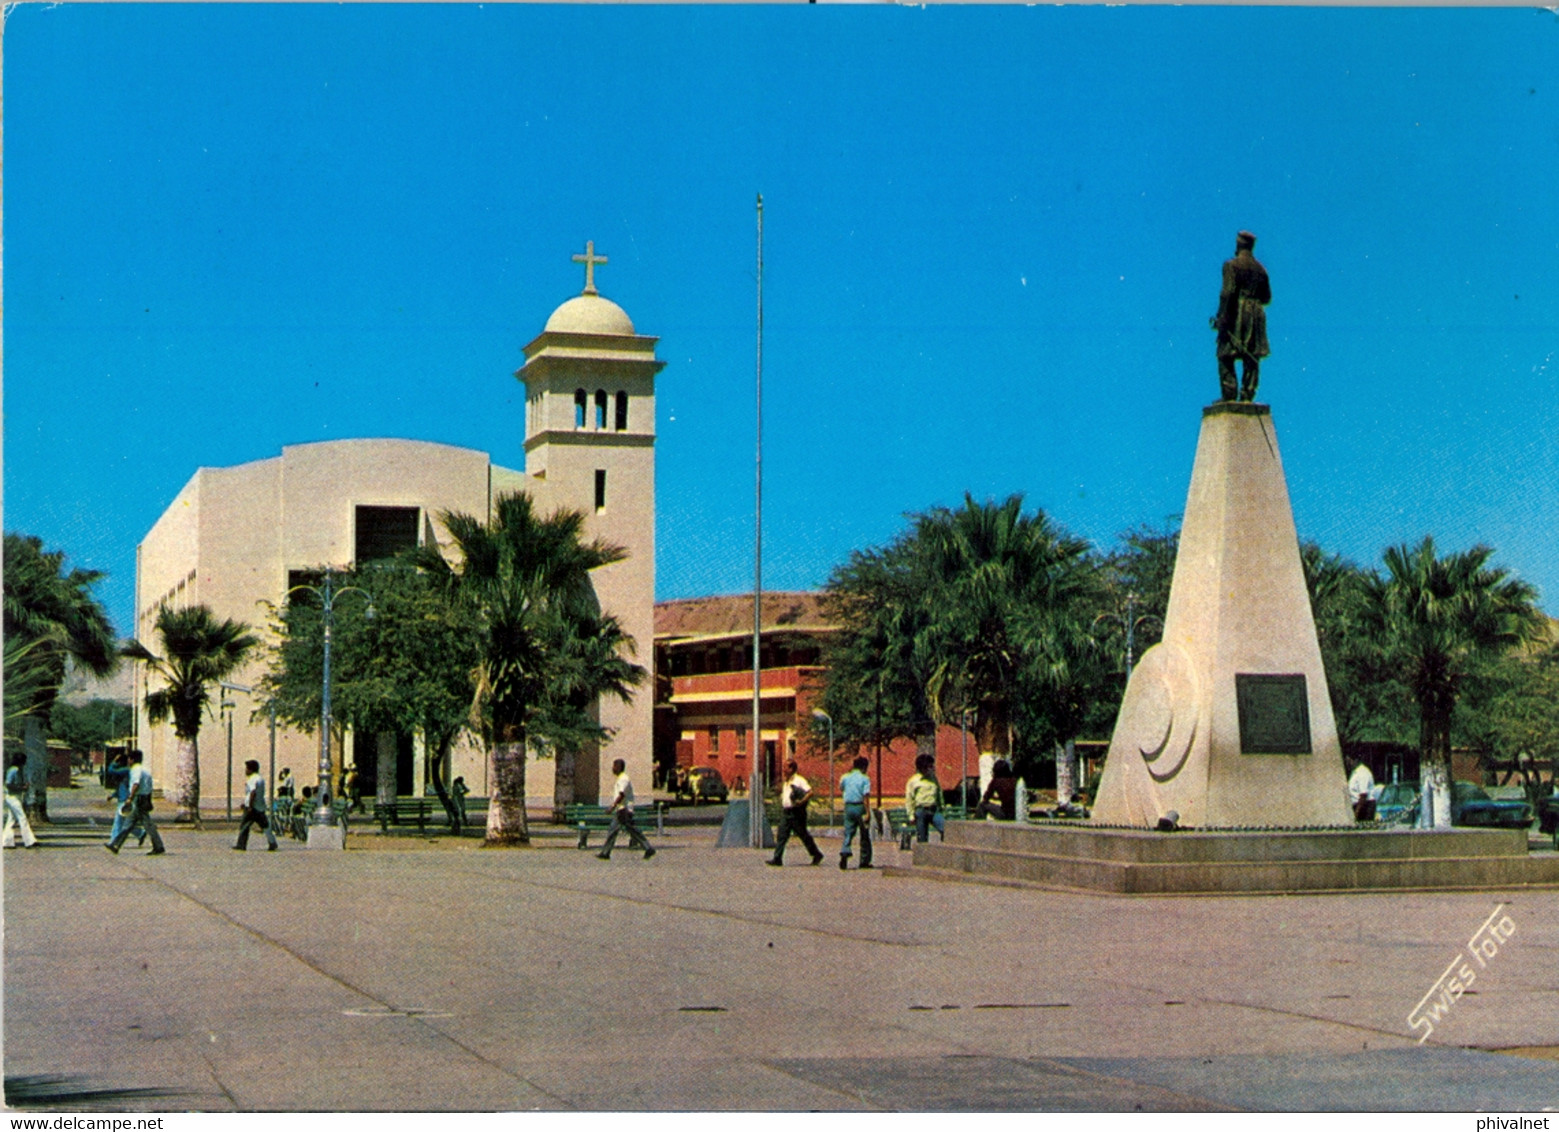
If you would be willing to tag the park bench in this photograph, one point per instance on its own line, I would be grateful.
(584, 817)
(409, 810)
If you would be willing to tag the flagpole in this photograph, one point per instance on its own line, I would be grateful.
(755, 746)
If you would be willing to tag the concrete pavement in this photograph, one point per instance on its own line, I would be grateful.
(411, 974)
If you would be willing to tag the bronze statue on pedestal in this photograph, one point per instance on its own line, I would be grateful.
(1241, 321)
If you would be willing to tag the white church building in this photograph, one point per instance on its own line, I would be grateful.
(238, 538)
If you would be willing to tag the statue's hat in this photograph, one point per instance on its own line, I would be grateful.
(1245, 240)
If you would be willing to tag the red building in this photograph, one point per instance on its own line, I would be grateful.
(703, 709)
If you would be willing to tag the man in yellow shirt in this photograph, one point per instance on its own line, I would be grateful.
(923, 799)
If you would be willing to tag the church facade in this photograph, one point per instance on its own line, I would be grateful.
(237, 538)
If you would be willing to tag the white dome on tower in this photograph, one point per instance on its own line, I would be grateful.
(589, 314)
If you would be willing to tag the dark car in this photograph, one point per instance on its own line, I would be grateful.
(1471, 805)
(1548, 814)
(703, 784)
(1397, 804)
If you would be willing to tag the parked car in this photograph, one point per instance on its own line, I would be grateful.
(703, 784)
(1397, 804)
(1548, 814)
(1471, 805)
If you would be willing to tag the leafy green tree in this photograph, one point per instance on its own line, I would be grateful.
(90, 726)
(52, 621)
(401, 661)
(198, 651)
(1510, 710)
(1139, 574)
(878, 663)
(1000, 575)
(524, 577)
(1436, 618)
(591, 651)
(1370, 698)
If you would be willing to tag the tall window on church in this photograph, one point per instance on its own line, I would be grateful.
(600, 489)
(622, 412)
(600, 409)
(581, 403)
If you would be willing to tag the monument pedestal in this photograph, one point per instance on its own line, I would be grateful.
(1228, 721)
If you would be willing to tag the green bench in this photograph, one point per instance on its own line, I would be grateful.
(583, 817)
(404, 811)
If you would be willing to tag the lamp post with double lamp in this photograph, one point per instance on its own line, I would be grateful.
(819, 713)
(324, 833)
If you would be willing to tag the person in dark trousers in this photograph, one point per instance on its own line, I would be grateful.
(140, 802)
(117, 779)
(794, 792)
(458, 793)
(254, 808)
(622, 815)
(857, 790)
(1001, 796)
(923, 799)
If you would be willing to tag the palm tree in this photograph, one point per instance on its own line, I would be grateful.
(51, 622)
(590, 648)
(995, 569)
(1437, 618)
(198, 651)
(524, 576)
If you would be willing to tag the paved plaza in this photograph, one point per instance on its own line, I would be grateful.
(432, 974)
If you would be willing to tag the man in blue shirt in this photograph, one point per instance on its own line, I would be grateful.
(140, 802)
(857, 790)
(15, 815)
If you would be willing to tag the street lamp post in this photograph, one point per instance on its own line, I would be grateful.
(323, 831)
(819, 713)
(227, 707)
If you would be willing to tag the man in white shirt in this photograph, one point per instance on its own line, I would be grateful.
(622, 815)
(1361, 792)
(794, 792)
(140, 803)
(254, 808)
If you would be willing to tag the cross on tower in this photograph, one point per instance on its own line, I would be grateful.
(590, 259)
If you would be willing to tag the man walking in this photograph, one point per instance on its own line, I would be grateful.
(254, 808)
(15, 813)
(794, 792)
(117, 777)
(140, 802)
(857, 790)
(622, 815)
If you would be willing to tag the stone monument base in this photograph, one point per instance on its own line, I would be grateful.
(1227, 862)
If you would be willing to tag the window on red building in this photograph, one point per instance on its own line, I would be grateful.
(714, 740)
(741, 740)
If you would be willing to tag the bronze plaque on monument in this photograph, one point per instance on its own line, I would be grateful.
(1274, 714)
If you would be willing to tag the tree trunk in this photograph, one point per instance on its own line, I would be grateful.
(436, 776)
(185, 795)
(386, 752)
(1435, 764)
(564, 761)
(506, 805)
(1066, 771)
(36, 772)
(992, 731)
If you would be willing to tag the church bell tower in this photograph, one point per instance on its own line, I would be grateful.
(590, 446)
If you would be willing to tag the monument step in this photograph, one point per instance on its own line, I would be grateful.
(1434, 873)
(1203, 846)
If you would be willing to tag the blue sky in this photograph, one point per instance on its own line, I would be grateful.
(992, 243)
